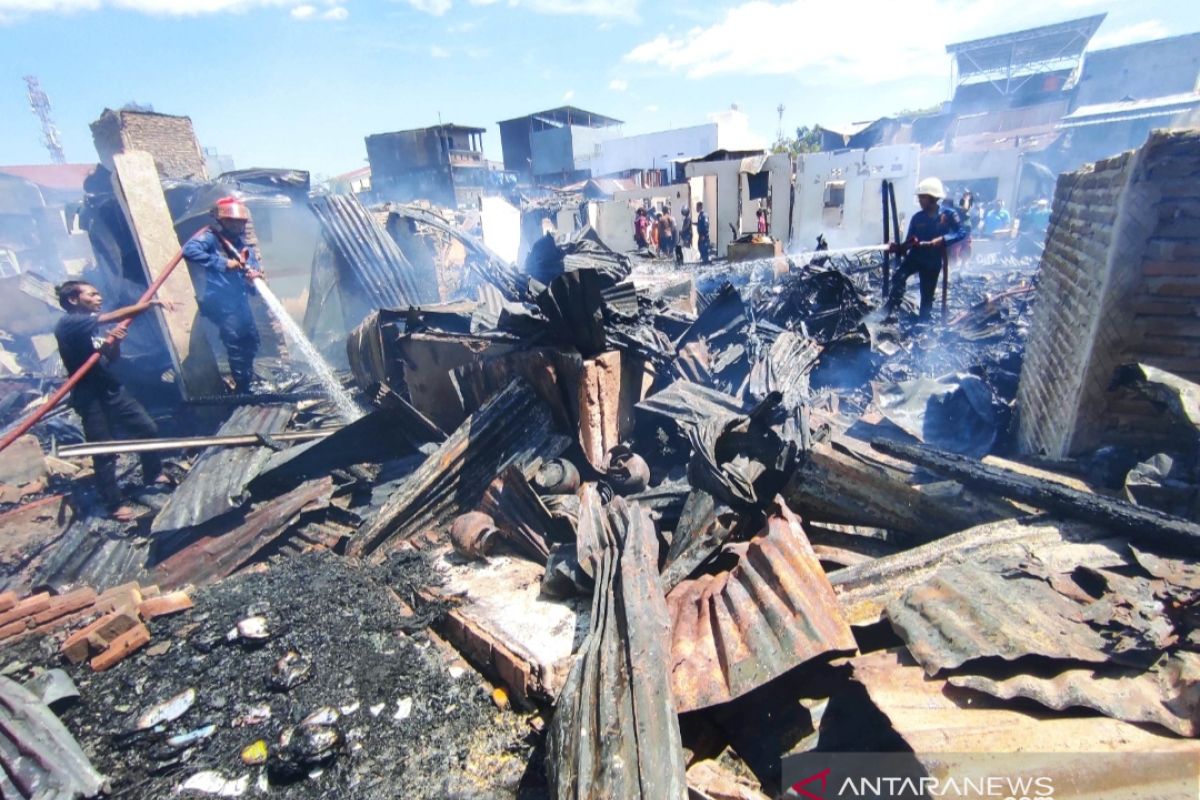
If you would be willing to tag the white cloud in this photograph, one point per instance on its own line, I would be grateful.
(483, 2)
(613, 9)
(1139, 32)
(568, 96)
(652, 109)
(17, 9)
(462, 27)
(435, 7)
(849, 41)
(618, 85)
(438, 52)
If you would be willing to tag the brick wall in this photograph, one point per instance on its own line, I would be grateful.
(169, 139)
(1120, 282)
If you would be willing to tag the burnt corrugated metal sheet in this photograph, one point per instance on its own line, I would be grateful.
(615, 733)
(963, 613)
(213, 557)
(1166, 695)
(737, 630)
(866, 589)
(217, 481)
(944, 726)
(511, 428)
(92, 553)
(688, 404)
(374, 258)
(40, 757)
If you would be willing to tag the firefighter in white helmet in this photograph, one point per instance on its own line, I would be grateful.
(230, 264)
(930, 231)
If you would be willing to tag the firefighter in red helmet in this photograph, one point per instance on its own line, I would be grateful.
(230, 265)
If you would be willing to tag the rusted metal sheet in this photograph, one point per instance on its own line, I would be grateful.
(615, 732)
(552, 373)
(1175, 571)
(28, 531)
(373, 257)
(865, 590)
(944, 725)
(513, 427)
(963, 613)
(1168, 695)
(39, 756)
(92, 553)
(216, 483)
(213, 557)
(522, 516)
(773, 611)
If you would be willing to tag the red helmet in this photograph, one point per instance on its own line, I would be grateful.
(232, 208)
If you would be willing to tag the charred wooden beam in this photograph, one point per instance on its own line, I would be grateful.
(1137, 522)
(843, 481)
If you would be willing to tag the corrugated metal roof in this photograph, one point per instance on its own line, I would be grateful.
(737, 630)
(865, 590)
(40, 757)
(217, 481)
(52, 176)
(511, 428)
(93, 553)
(964, 613)
(213, 557)
(688, 404)
(940, 722)
(1163, 696)
(374, 258)
(1124, 110)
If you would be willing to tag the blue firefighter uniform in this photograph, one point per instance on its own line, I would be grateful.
(927, 261)
(702, 232)
(226, 299)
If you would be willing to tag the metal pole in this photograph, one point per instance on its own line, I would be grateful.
(887, 258)
(185, 443)
(57, 397)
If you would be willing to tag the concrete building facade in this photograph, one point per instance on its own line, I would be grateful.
(443, 164)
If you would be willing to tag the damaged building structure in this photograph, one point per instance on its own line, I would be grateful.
(542, 516)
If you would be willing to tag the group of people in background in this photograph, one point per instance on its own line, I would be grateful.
(655, 230)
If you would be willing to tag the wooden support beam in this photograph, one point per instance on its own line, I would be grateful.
(136, 185)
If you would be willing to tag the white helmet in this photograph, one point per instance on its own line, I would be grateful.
(932, 187)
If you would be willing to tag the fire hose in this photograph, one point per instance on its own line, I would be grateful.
(77, 376)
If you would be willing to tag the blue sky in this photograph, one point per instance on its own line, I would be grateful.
(299, 83)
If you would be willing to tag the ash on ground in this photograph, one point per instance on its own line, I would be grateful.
(408, 725)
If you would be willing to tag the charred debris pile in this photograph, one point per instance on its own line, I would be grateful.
(603, 534)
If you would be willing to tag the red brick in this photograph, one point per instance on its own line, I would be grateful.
(8, 601)
(122, 647)
(96, 636)
(151, 591)
(127, 599)
(170, 603)
(65, 604)
(13, 628)
(31, 605)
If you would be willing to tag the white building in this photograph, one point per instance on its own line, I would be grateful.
(725, 130)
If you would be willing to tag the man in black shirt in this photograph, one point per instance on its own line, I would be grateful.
(103, 404)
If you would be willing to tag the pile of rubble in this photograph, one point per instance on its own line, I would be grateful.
(687, 537)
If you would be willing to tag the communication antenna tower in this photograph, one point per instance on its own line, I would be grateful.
(40, 103)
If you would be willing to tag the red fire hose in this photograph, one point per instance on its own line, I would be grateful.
(77, 376)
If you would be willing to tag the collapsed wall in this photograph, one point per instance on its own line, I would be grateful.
(170, 139)
(1120, 282)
